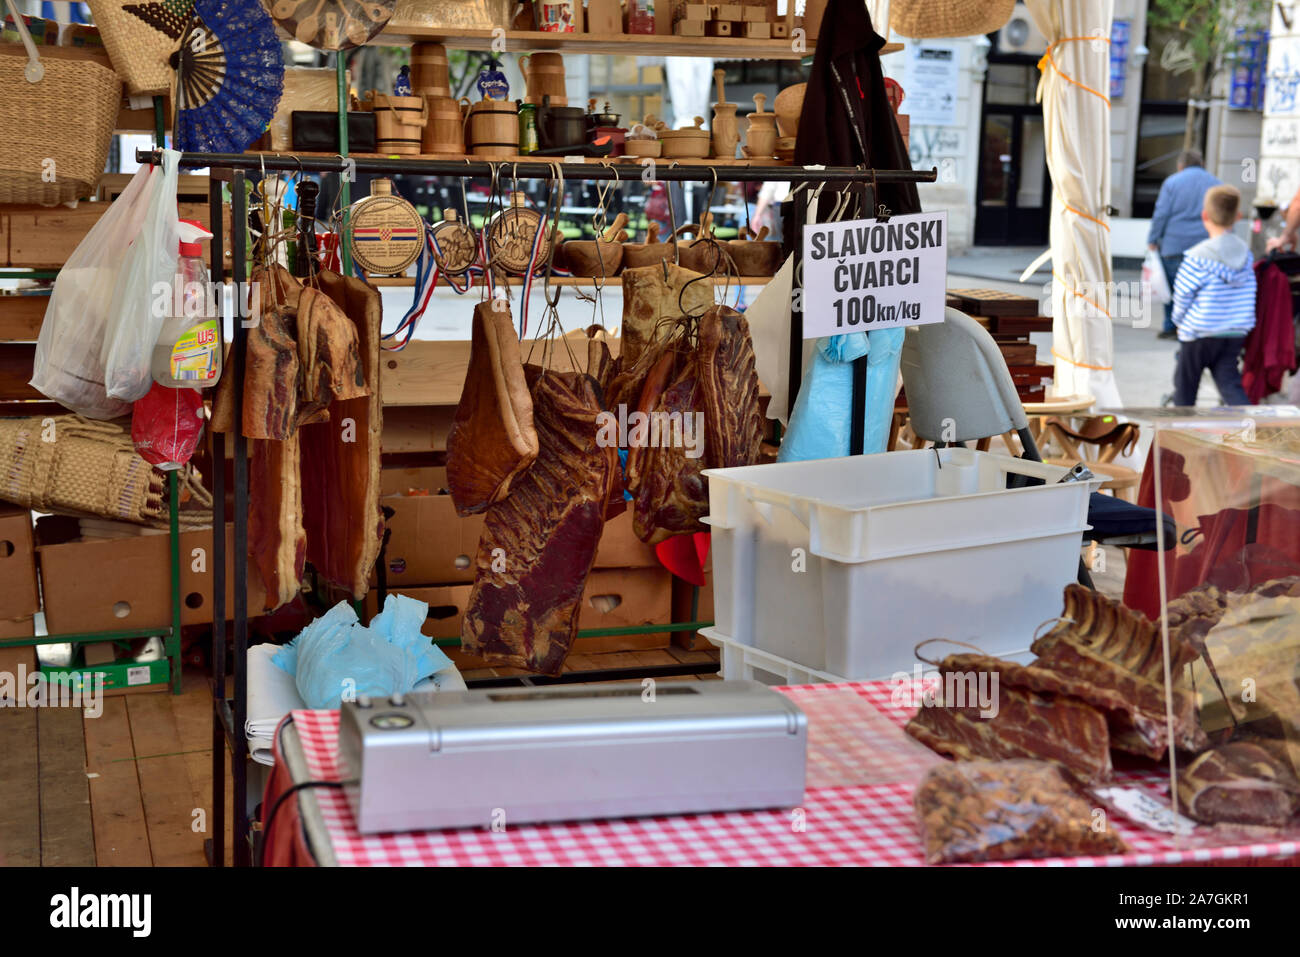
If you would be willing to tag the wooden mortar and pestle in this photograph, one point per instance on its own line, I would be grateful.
(592, 258)
(755, 257)
(703, 254)
(648, 253)
(726, 134)
(760, 135)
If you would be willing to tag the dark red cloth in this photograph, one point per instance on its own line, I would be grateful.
(1270, 347)
(283, 843)
(1219, 554)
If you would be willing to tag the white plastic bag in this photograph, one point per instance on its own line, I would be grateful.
(142, 290)
(1153, 276)
(69, 366)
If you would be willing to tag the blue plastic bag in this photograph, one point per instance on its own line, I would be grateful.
(821, 421)
(337, 654)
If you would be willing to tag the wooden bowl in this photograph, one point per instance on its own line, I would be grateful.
(788, 107)
(636, 255)
(704, 256)
(642, 147)
(592, 258)
(755, 258)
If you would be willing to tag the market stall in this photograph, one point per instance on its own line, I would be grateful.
(453, 596)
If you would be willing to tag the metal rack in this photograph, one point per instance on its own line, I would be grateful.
(229, 714)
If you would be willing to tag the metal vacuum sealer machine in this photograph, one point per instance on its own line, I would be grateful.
(487, 758)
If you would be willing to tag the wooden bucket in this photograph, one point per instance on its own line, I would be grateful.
(493, 129)
(445, 131)
(544, 75)
(429, 69)
(398, 122)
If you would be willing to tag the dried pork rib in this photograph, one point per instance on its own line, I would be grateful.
(1239, 783)
(1134, 706)
(1004, 810)
(733, 422)
(1105, 627)
(340, 457)
(539, 543)
(277, 544)
(492, 439)
(328, 354)
(275, 289)
(1027, 725)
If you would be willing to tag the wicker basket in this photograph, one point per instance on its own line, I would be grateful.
(140, 39)
(58, 130)
(922, 19)
(73, 465)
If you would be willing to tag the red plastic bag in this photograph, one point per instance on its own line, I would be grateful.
(166, 425)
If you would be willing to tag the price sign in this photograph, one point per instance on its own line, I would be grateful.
(865, 274)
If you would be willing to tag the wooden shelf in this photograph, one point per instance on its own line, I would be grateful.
(632, 162)
(612, 281)
(611, 44)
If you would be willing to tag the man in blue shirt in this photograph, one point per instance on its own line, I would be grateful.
(1176, 223)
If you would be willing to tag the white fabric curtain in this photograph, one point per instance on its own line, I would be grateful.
(1074, 90)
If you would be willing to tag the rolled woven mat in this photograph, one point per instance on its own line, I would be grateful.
(78, 466)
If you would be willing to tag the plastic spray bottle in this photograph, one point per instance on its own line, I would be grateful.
(188, 352)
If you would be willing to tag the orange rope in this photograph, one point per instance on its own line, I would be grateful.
(1079, 212)
(1082, 365)
(1047, 59)
(1075, 292)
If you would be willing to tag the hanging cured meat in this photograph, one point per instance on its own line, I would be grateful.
(271, 373)
(328, 354)
(492, 439)
(733, 421)
(654, 298)
(340, 457)
(539, 543)
(277, 543)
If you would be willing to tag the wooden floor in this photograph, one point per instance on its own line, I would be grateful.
(133, 787)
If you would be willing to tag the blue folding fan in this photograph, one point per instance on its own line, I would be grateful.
(229, 77)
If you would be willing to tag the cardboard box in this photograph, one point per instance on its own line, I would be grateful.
(119, 677)
(126, 583)
(431, 545)
(613, 598)
(12, 658)
(18, 595)
(683, 594)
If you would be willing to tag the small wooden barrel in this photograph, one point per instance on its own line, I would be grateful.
(544, 74)
(398, 122)
(445, 131)
(493, 129)
(429, 69)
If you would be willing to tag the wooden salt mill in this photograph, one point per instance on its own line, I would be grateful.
(725, 132)
(760, 135)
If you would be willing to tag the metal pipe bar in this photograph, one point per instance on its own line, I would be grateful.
(217, 251)
(665, 170)
(80, 638)
(239, 757)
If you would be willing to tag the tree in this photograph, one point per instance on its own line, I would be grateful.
(1203, 34)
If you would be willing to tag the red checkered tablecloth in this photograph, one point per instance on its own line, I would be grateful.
(857, 810)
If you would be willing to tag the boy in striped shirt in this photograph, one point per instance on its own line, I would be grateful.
(1214, 304)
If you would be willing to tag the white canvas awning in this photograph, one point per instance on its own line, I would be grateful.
(1074, 90)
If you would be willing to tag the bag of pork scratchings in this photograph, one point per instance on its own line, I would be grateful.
(99, 329)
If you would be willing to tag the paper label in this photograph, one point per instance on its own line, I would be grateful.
(867, 274)
(137, 676)
(1142, 808)
(194, 356)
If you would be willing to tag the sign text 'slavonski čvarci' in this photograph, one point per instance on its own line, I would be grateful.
(868, 274)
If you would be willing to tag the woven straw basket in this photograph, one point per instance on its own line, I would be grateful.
(922, 19)
(73, 465)
(57, 131)
(140, 39)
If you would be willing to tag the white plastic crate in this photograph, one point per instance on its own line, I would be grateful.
(844, 565)
(743, 662)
